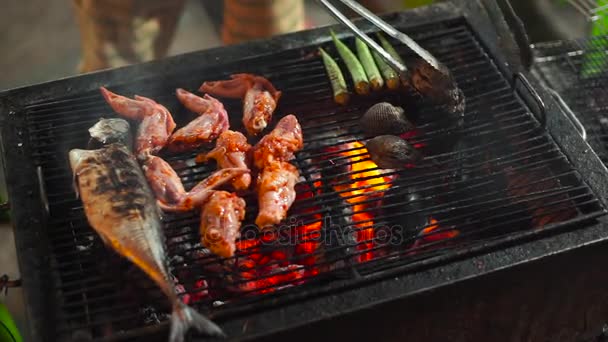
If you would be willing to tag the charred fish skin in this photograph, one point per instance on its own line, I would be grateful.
(121, 208)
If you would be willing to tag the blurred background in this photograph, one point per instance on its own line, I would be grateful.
(42, 40)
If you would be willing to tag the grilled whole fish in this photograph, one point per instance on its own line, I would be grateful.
(121, 208)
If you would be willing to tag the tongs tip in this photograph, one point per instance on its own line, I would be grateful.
(428, 77)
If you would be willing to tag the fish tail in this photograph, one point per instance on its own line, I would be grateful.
(184, 317)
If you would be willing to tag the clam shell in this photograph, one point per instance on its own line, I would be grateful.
(391, 152)
(384, 118)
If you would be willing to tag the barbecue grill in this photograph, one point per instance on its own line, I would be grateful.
(515, 183)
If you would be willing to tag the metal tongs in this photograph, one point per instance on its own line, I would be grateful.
(429, 77)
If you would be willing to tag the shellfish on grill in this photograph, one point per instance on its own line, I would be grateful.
(392, 152)
(384, 118)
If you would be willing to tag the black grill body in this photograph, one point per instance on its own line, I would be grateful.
(518, 185)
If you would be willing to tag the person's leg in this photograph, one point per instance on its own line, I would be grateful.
(253, 19)
(120, 32)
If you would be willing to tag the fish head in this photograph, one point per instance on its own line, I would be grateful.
(110, 131)
(77, 158)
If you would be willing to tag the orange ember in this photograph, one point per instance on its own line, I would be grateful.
(361, 170)
(308, 235)
(410, 134)
(429, 236)
(269, 280)
(267, 271)
(367, 182)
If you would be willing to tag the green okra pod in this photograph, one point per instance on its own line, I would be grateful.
(389, 48)
(354, 66)
(391, 76)
(370, 67)
(338, 84)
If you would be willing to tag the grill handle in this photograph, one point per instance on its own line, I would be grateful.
(527, 92)
(569, 113)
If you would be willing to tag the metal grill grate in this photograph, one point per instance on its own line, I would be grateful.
(576, 70)
(502, 178)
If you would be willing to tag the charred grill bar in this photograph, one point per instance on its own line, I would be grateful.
(498, 191)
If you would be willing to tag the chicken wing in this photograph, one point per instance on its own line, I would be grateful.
(280, 144)
(221, 219)
(154, 132)
(211, 122)
(163, 180)
(128, 108)
(276, 192)
(231, 151)
(156, 123)
(259, 97)
(200, 193)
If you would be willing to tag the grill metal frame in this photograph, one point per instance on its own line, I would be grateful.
(561, 66)
(28, 209)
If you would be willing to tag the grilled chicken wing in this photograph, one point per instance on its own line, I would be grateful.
(221, 219)
(280, 144)
(276, 192)
(156, 125)
(277, 178)
(231, 151)
(121, 208)
(211, 122)
(129, 108)
(154, 132)
(200, 193)
(163, 179)
(259, 97)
